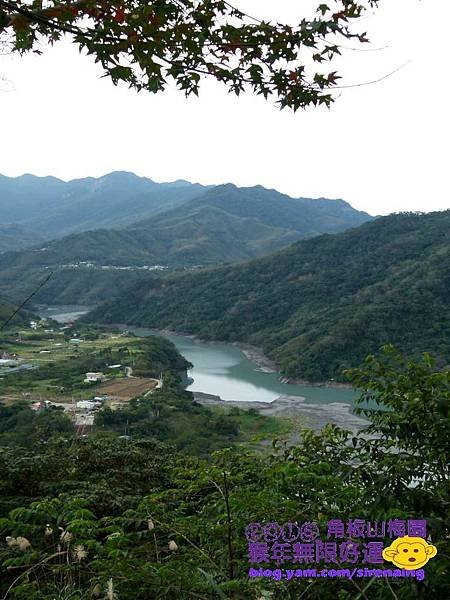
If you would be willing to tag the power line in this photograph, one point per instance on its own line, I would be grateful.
(41, 285)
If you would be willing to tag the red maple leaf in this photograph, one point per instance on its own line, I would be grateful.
(119, 17)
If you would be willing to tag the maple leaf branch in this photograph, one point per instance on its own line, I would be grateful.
(43, 17)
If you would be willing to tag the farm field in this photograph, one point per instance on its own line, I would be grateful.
(62, 356)
(127, 388)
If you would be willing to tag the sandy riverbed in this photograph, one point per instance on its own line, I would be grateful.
(316, 416)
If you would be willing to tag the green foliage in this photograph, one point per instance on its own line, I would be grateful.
(111, 474)
(155, 355)
(407, 404)
(171, 416)
(6, 311)
(84, 286)
(147, 44)
(319, 306)
(19, 425)
(122, 505)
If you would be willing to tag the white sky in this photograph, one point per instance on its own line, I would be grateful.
(383, 147)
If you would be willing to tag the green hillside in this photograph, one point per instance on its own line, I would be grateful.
(306, 216)
(226, 224)
(15, 237)
(204, 235)
(320, 305)
(85, 286)
(7, 309)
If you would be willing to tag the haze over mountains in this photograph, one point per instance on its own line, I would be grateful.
(190, 226)
(320, 305)
(54, 208)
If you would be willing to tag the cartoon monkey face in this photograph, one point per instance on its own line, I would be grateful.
(409, 552)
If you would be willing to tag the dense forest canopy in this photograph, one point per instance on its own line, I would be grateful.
(146, 43)
(15, 237)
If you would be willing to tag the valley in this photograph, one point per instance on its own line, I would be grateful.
(318, 307)
(235, 357)
(242, 382)
(97, 376)
(203, 228)
(224, 300)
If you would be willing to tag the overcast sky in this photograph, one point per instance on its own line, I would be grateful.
(382, 147)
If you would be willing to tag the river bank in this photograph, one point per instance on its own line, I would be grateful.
(239, 372)
(256, 355)
(315, 416)
(267, 365)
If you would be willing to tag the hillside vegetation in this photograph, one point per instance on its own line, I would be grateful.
(7, 309)
(85, 286)
(225, 224)
(133, 518)
(320, 305)
(15, 237)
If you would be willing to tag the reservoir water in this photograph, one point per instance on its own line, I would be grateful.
(223, 370)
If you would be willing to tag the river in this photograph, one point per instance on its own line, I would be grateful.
(223, 370)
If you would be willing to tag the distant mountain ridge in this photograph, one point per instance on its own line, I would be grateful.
(223, 224)
(319, 306)
(54, 208)
(306, 216)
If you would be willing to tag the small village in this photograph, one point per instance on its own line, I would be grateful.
(82, 264)
(45, 343)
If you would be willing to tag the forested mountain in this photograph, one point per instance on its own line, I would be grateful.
(225, 224)
(15, 237)
(55, 208)
(201, 236)
(306, 216)
(85, 286)
(320, 305)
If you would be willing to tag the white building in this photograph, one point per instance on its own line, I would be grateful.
(94, 378)
(6, 362)
(87, 405)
